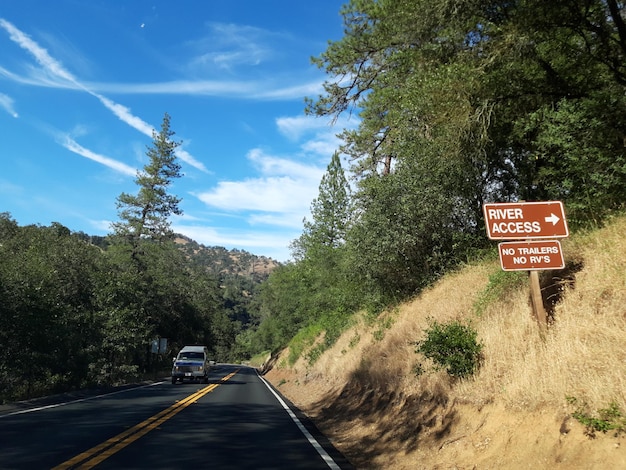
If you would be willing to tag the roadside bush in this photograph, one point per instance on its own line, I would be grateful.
(604, 420)
(452, 347)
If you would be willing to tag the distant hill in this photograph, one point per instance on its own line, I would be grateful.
(217, 260)
(223, 262)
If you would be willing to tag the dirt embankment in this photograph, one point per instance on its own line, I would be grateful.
(394, 431)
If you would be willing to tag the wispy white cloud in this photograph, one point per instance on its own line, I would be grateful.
(261, 90)
(230, 45)
(311, 88)
(123, 114)
(54, 68)
(288, 220)
(276, 166)
(274, 245)
(39, 53)
(231, 88)
(6, 103)
(275, 194)
(294, 127)
(190, 159)
(286, 187)
(324, 145)
(6, 187)
(102, 226)
(70, 144)
(221, 236)
(319, 135)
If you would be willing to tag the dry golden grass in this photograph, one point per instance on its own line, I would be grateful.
(583, 355)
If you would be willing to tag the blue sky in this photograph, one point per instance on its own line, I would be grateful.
(84, 83)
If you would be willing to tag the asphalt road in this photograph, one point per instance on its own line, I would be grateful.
(237, 421)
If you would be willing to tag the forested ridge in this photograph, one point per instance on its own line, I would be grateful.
(454, 104)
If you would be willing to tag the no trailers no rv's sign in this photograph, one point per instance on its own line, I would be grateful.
(535, 255)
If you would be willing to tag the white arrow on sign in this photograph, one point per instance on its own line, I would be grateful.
(553, 218)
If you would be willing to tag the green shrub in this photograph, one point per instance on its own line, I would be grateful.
(452, 347)
(303, 340)
(606, 419)
(500, 284)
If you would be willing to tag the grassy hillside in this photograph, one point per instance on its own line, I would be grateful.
(519, 410)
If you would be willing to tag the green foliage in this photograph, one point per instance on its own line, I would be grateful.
(73, 315)
(418, 369)
(501, 283)
(457, 106)
(354, 340)
(315, 291)
(580, 154)
(452, 347)
(332, 324)
(48, 311)
(383, 325)
(480, 102)
(331, 213)
(303, 340)
(604, 420)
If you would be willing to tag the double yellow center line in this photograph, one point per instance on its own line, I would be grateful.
(97, 454)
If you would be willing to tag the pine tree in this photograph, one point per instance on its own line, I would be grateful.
(145, 215)
(330, 212)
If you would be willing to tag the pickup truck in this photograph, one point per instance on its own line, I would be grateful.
(192, 363)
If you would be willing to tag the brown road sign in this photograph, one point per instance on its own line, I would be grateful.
(525, 220)
(534, 255)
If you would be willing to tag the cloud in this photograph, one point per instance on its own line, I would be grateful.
(285, 190)
(287, 220)
(54, 68)
(190, 159)
(39, 53)
(231, 45)
(102, 226)
(124, 115)
(6, 187)
(55, 75)
(321, 133)
(297, 91)
(284, 194)
(273, 245)
(6, 103)
(70, 144)
(294, 127)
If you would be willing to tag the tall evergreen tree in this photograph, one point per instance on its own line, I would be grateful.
(145, 291)
(330, 212)
(145, 215)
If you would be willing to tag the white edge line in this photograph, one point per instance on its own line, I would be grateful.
(56, 405)
(318, 447)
